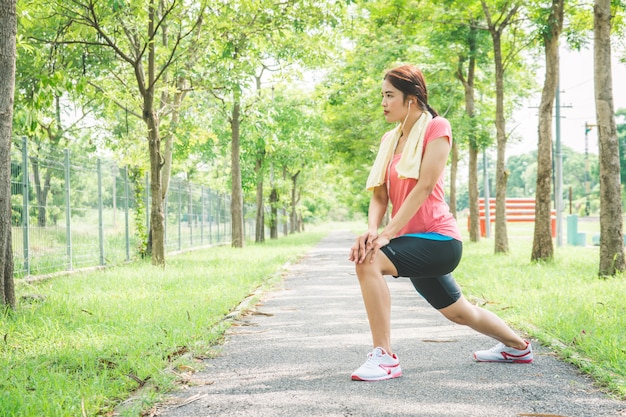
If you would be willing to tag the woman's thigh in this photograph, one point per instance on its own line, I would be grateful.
(417, 257)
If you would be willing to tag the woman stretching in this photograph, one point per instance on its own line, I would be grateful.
(422, 241)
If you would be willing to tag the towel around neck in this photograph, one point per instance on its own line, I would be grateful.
(411, 159)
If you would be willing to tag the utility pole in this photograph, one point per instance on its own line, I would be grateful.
(486, 196)
(558, 192)
(588, 127)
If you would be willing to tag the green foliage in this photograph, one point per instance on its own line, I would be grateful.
(67, 71)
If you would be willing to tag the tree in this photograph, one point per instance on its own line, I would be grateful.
(611, 222)
(49, 86)
(255, 35)
(137, 35)
(497, 26)
(550, 31)
(467, 77)
(8, 31)
(471, 57)
(297, 126)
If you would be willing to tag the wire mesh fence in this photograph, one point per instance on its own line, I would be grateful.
(70, 212)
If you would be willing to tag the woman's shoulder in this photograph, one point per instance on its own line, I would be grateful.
(439, 126)
(439, 122)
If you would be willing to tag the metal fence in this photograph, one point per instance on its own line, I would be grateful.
(70, 212)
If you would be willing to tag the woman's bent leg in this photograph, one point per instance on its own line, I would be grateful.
(381, 363)
(377, 298)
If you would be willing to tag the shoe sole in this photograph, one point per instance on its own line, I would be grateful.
(504, 360)
(382, 378)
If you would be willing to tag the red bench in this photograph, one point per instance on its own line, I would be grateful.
(517, 210)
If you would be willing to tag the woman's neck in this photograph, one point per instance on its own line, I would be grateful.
(410, 122)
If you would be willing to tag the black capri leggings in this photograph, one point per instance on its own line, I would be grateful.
(428, 263)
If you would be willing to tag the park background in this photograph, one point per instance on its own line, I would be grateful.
(266, 119)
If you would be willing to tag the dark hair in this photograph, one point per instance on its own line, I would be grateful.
(410, 80)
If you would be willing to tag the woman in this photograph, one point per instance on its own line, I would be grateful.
(422, 241)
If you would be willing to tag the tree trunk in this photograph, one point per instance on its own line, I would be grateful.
(40, 192)
(274, 213)
(454, 163)
(293, 224)
(474, 226)
(157, 218)
(468, 88)
(542, 239)
(166, 171)
(501, 237)
(236, 202)
(284, 209)
(259, 235)
(611, 223)
(8, 30)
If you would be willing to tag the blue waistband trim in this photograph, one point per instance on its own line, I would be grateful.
(429, 235)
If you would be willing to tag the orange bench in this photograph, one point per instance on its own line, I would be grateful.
(517, 210)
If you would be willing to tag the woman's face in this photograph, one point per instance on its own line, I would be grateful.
(393, 104)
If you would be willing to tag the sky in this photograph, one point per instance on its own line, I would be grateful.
(577, 104)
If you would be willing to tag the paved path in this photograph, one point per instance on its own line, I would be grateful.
(294, 358)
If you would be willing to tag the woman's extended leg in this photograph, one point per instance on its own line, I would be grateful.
(483, 321)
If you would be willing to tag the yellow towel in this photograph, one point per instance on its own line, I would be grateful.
(409, 165)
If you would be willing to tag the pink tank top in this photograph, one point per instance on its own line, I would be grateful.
(434, 215)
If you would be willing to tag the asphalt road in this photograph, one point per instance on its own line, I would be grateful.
(294, 356)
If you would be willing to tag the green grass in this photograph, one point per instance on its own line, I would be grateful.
(563, 303)
(86, 341)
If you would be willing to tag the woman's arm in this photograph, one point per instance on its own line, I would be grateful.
(377, 208)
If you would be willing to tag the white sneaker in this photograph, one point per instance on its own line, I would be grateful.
(503, 353)
(378, 366)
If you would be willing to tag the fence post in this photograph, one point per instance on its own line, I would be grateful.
(228, 227)
(180, 240)
(126, 225)
(202, 215)
(114, 171)
(211, 217)
(100, 221)
(25, 209)
(191, 216)
(218, 216)
(147, 202)
(68, 210)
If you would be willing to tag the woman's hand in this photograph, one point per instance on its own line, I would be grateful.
(376, 244)
(362, 246)
(369, 241)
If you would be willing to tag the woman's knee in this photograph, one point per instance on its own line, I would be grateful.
(381, 265)
(460, 312)
(365, 270)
